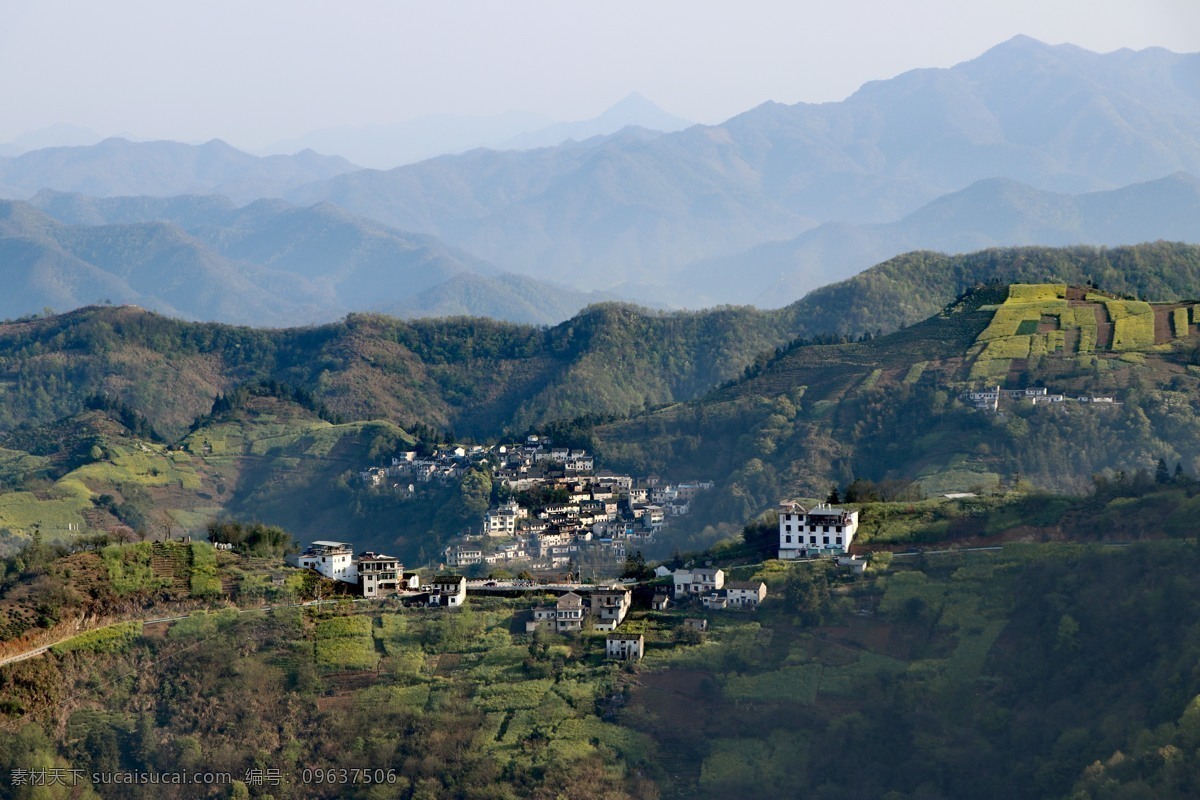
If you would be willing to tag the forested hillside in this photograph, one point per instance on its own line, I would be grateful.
(475, 376)
(891, 410)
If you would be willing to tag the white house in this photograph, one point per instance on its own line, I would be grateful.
(565, 615)
(463, 555)
(825, 529)
(334, 560)
(502, 521)
(698, 581)
(625, 646)
(449, 591)
(745, 594)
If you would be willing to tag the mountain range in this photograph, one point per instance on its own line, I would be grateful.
(628, 208)
(989, 213)
(120, 167)
(267, 263)
(1026, 144)
(728, 394)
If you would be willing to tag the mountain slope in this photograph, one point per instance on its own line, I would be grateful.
(264, 263)
(910, 287)
(476, 376)
(632, 110)
(888, 410)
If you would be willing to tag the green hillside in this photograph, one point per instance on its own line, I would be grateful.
(998, 674)
(913, 286)
(475, 376)
(891, 409)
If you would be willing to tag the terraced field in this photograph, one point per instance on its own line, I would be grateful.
(1048, 320)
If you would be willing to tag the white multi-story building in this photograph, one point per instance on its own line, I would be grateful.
(379, 574)
(822, 530)
(449, 591)
(334, 560)
(502, 521)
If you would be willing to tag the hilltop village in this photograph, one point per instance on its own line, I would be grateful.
(557, 511)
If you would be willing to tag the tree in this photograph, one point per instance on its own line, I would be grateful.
(807, 593)
(834, 498)
(1161, 473)
(635, 567)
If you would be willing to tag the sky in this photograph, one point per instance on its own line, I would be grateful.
(253, 73)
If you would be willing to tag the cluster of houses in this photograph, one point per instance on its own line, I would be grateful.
(715, 593)
(518, 466)
(378, 575)
(600, 516)
(989, 399)
(603, 608)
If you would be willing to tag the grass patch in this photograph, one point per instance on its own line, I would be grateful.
(799, 684)
(1179, 322)
(204, 579)
(915, 371)
(847, 680)
(129, 568)
(1133, 332)
(1012, 347)
(111, 639)
(346, 643)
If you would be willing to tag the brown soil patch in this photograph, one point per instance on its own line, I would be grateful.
(1163, 330)
(1047, 324)
(1076, 293)
(1104, 327)
(340, 702)
(447, 663)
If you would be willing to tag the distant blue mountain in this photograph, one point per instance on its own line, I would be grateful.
(996, 212)
(629, 208)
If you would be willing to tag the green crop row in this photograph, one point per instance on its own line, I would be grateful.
(1133, 332)
(1179, 322)
(1013, 347)
(1036, 292)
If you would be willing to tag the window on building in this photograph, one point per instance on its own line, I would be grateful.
(839, 540)
(826, 540)
(789, 539)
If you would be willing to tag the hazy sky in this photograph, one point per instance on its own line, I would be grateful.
(256, 72)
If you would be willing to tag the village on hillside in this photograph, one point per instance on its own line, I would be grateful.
(560, 510)
(822, 531)
(989, 399)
